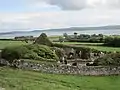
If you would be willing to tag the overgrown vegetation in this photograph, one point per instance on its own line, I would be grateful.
(112, 59)
(43, 40)
(95, 46)
(59, 52)
(112, 41)
(35, 52)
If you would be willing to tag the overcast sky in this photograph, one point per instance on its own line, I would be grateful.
(16, 15)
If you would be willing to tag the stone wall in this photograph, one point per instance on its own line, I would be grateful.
(65, 69)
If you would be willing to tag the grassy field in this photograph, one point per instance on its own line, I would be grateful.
(11, 79)
(52, 38)
(79, 43)
(4, 44)
(96, 46)
(104, 48)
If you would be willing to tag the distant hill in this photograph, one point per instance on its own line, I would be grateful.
(109, 27)
(86, 28)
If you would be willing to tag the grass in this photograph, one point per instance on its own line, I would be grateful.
(4, 44)
(13, 79)
(53, 38)
(79, 43)
(105, 48)
(96, 46)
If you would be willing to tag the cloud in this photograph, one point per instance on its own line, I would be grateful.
(80, 4)
(69, 4)
(63, 4)
(93, 13)
(46, 20)
(75, 4)
(104, 3)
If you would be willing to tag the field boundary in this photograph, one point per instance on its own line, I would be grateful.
(66, 69)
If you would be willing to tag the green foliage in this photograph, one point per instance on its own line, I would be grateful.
(43, 40)
(94, 46)
(61, 39)
(85, 50)
(11, 53)
(86, 38)
(31, 55)
(109, 60)
(65, 35)
(37, 52)
(112, 41)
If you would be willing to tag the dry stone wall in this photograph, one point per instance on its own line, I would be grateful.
(64, 69)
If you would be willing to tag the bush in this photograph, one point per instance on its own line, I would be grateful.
(37, 52)
(43, 40)
(11, 53)
(114, 42)
(109, 60)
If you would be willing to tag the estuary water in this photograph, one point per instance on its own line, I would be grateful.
(60, 32)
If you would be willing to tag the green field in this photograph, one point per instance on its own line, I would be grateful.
(103, 48)
(4, 44)
(52, 38)
(96, 46)
(79, 43)
(11, 79)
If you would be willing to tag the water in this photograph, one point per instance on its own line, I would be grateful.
(60, 32)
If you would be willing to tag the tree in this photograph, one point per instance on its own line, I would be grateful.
(114, 42)
(61, 39)
(75, 35)
(100, 35)
(43, 40)
(65, 35)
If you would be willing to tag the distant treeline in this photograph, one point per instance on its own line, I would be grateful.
(100, 38)
(7, 39)
(20, 38)
(108, 40)
(112, 41)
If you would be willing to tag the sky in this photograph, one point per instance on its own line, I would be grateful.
(21, 15)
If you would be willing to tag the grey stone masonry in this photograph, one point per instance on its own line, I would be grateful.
(65, 69)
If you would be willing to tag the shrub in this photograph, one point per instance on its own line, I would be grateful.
(11, 53)
(112, 59)
(114, 42)
(37, 52)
